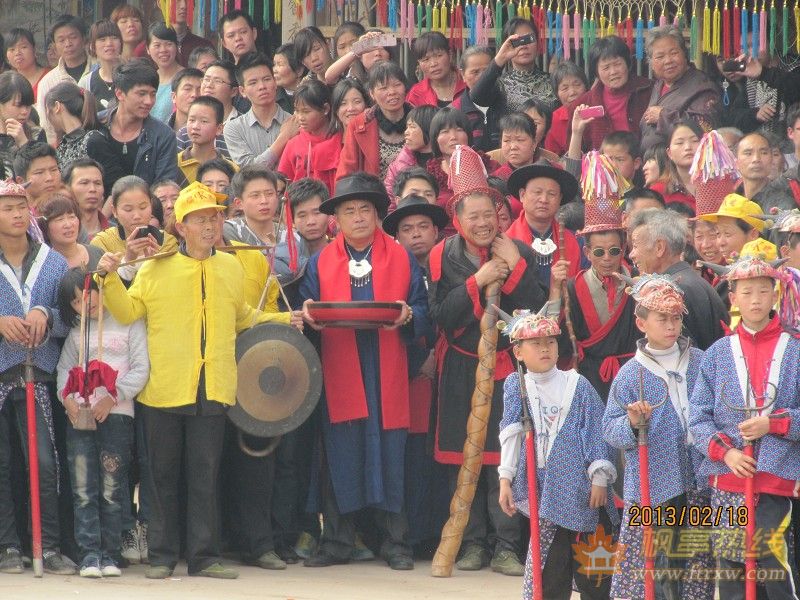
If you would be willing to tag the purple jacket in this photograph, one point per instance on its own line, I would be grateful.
(405, 160)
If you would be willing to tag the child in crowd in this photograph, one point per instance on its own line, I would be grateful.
(653, 389)
(99, 460)
(574, 464)
(204, 124)
(754, 368)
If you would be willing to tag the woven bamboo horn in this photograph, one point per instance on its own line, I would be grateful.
(477, 424)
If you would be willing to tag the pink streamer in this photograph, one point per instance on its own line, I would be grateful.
(662, 20)
(403, 21)
(762, 30)
(565, 33)
(411, 22)
(576, 30)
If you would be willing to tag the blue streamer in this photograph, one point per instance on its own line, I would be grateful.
(639, 39)
(744, 30)
(469, 15)
(755, 37)
(551, 43)
(320, 5)
(651, 24)
(214, 14)
(199, 17)
(393, 14)
(559, 40)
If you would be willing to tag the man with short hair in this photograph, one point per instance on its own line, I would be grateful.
(187, 41)
(238, 32)
(260, 135)
(365, 414)
(84, 178)
(416, 181)
(793, 133)
(69, 38)
(35, 164)
(415, 224)
(658, 238)
(166, 192)
(134, 143)
(753, 158)
(255, 192)
(185, 89)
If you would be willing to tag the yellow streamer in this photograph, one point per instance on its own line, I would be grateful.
(526, 11)
(278, 9)
(602, 32)
(796, 21)
(443, 19)
(715, 36)
(706, 29)
(435, 24)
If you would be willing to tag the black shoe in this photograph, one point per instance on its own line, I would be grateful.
(323, 559)
(11, 561)
(288, 555)
(57, 564)
(401, 562)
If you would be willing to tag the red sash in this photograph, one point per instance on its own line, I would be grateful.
(520, 230)
(610, 365)
(344, 388)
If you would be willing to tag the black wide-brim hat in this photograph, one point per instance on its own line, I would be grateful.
(349, 188)
(568, 184)
(415, 205)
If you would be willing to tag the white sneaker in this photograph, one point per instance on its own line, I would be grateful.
(130, 547)
(109, 568)
(143, 548)
(90, 568)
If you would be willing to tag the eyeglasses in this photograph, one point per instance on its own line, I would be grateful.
(601, 252)
(216, 81)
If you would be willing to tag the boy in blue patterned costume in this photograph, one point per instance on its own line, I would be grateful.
(574, 465)
(758, 362)
(29, 277)
(656, 385)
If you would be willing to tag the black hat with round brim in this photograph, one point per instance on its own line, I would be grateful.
(414, 205)
(353, 188)
(568, 184)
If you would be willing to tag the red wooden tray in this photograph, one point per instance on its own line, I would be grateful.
(355, 315)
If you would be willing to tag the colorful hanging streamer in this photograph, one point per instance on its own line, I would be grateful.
(726, 31)
(745, 25)
(754, 38)
(715, 31)
(712, 159)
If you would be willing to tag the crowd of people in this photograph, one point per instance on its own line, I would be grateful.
(339, 178)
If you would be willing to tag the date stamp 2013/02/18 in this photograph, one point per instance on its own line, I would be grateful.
(692, 516)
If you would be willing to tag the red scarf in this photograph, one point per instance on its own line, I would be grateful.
(344, 387)
(520, 230)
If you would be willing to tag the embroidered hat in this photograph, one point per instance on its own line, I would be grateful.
(194, 197)
(602, 186)
(751, 267)
(786, 221)
(525, 325)
(656, 292)
(468, 176)
(759, 248)
(11, 189)
(713, 173)
(738, 207)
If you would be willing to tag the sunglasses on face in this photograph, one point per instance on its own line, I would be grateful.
(601, 252)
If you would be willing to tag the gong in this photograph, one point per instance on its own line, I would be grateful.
(279, 380)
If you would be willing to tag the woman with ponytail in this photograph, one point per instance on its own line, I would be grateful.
(72, 111)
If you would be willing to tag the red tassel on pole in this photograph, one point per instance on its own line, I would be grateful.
(189, 13)
(726, 32)
(737, 28)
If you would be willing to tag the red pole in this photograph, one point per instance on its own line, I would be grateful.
(647, 532)
(33, 462)
(750, 532)
(533, 507)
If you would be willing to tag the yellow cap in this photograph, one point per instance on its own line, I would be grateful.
(738, 207)
(196, 197)
(759, 248)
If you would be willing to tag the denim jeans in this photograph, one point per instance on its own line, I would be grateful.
(98, 464)
(14, 414)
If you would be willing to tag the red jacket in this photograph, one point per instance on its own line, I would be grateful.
(360, 151)
(308, 156)
(639, 89)
(422, 93)
(674, 197)
(557, 138)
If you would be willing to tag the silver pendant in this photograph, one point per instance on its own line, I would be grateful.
(544, 250)
(360, 272)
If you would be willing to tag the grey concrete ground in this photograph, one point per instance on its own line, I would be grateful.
(364, 581)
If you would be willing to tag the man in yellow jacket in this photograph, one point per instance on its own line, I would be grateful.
(194, 305)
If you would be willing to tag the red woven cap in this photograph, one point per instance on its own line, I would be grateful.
(602, 214)
(710, 194)
(468, 176)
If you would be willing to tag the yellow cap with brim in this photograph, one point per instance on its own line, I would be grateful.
(737, 206)
(196, 197)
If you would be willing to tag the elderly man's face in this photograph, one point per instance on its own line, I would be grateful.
(643, 250)
(357, 220)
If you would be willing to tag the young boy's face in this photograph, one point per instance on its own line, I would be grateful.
(621, 157)
(44, 177)
(732, 237)
(661, 329)
(15, 216)
(259, 201)
(310, 223)
(793, 133)
(539, 354)
(202, 125)
(791, 250)
(755, 298)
